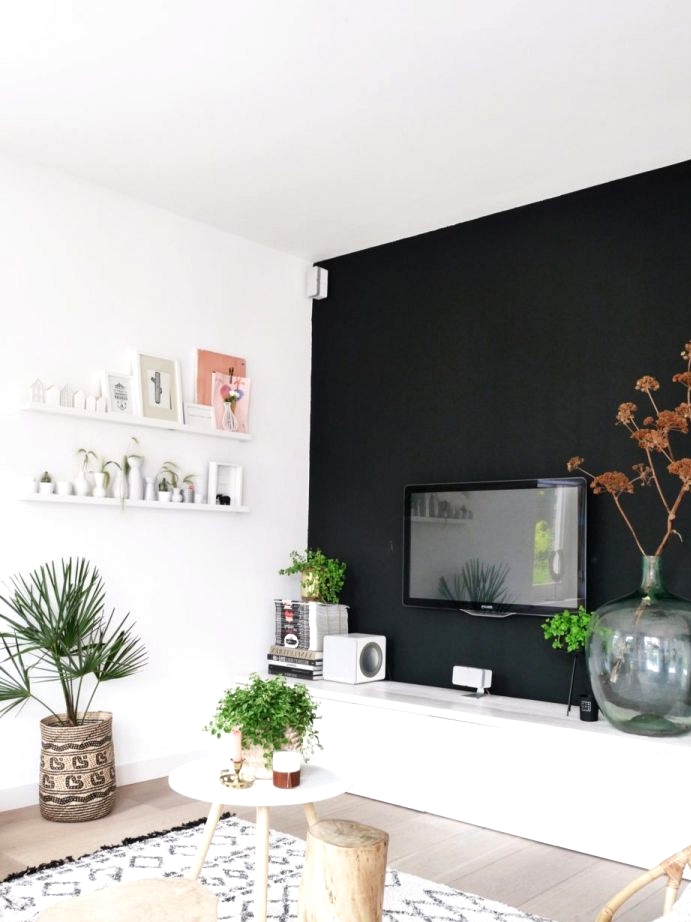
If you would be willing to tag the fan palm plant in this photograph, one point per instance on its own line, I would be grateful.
(54, 629)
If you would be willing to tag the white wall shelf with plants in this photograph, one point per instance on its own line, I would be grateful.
(130, 419)
(130, 503)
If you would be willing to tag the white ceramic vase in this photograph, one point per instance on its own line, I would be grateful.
(135, 479)
(99, 484)
(150, 489)
(82, 487)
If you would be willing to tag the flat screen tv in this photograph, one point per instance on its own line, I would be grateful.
(496, 548)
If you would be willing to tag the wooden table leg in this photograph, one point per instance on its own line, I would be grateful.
(261, 869)
(203, 848)
(311, 814)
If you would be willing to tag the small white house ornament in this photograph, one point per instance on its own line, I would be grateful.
(79, 400)
(37, 391)
(67, 396)
(52, 396)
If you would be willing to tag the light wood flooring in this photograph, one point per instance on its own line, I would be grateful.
(552, 882)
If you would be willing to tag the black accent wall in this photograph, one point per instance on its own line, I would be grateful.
(497, 349)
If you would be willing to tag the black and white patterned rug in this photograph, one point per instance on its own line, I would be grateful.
(229, 873)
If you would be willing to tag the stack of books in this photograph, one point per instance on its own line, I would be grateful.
(295, 663)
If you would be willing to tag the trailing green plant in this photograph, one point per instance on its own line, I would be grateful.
(54, 629)
(86, 455)
(269, 713)
(478, 581)
(568, 630)
(322, 577)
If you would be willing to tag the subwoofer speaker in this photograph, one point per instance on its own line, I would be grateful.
(354, 658)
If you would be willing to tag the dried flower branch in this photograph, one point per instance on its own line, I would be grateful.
(653, 438)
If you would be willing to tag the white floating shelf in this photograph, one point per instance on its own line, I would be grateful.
(130, 503)
(130, 420)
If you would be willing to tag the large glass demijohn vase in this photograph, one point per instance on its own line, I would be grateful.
(639, 658)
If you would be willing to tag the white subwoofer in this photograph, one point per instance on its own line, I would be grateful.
(354, 658)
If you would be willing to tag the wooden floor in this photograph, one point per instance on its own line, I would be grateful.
(551, 882)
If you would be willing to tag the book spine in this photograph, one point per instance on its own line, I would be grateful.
(290, 673)
(296, 660)
(296, 653)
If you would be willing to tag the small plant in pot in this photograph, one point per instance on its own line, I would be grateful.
(322, 577)
(271, 715)
(569, 630)
(53, 628)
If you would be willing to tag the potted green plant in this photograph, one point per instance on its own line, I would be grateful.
(322, 577)
(569, 630)
(271, 715)
(45, 483)
(53, 628)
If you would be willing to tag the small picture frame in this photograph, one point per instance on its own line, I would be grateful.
(198, 416)
(225, 484)
(157, 387)
(117, 391)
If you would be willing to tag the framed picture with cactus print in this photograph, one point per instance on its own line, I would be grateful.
(157, 387)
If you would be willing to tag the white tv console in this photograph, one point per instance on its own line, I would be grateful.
(514, 765)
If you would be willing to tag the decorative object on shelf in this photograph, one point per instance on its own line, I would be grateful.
(188, 489)
(117, 391)
(54, 628)
(230, 397)
(207, 363)
(639, 648)
(52, 395)
(322, 577)
(177, 495)
(164, 491)
(45, 483)
(79, 400)
(64, 488)
(82, 484)
(157, 387)
(67, 396)
(37, 392)
(198, 416)
(569, 630)
(225, 480)
(150, 489)
(269, 714)
(135, 478)
(91, 403)
(100, 484)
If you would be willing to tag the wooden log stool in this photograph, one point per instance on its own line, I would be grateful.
(344, 874)
(170, 899)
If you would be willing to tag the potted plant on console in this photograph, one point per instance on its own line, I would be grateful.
(270, 715)
(569, 631)
(322, 577)
(54, 629)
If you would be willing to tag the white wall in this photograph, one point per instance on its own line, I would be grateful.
(85, 277)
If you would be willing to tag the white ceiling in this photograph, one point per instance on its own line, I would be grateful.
(320, 127)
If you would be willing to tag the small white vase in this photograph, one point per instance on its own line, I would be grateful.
(99, 484)
(150, 489)
(177, 495)
(229, 420)
(119, 489)
(82, 487)
(135, 479)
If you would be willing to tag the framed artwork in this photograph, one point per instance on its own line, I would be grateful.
(118, 393)
(230, 402)
(209, 362)
(198, 416)
(224, 484)
(157, 387)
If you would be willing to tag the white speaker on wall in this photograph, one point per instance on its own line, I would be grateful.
(354, 658)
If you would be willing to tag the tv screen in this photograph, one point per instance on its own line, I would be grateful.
(495, 548)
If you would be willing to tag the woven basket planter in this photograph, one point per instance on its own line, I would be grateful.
(77, 780)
